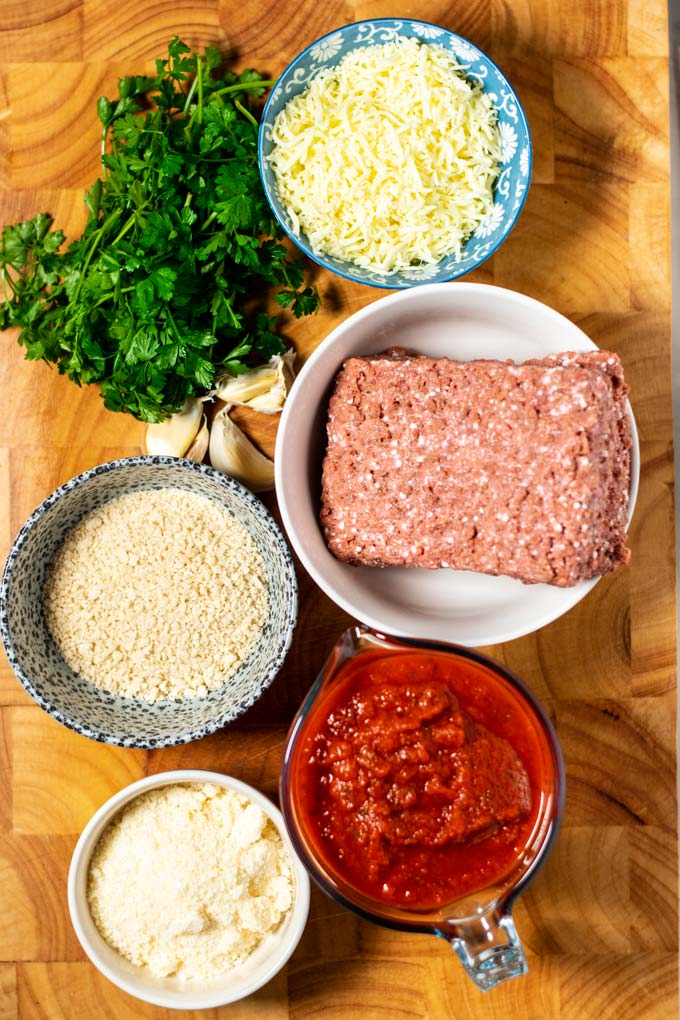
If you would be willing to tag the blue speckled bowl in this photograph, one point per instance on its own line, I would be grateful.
(513, 181)
(78, 704)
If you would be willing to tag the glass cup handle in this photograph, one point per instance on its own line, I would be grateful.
(489, 948)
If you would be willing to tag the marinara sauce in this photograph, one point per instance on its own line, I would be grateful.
(419, 777)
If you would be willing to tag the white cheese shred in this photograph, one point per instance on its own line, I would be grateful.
(388, 160)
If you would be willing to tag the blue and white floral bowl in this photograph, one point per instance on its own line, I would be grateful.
(511, 187)
(77, 703)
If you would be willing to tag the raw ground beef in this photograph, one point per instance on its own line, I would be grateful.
(489, 466)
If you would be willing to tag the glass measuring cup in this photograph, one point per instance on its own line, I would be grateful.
(478, 924)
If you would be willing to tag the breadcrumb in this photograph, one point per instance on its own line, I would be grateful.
(159, 593)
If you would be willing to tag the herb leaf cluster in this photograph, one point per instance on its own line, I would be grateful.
(155, 299)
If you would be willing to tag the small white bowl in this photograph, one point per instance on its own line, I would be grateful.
(173, 993)
(463, 321)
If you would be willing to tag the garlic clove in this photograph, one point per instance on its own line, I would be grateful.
(199, 447)
(242, 388)
(232, 452)
(263, 389)
(174, 436)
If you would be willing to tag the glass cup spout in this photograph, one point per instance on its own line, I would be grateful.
(488, 946)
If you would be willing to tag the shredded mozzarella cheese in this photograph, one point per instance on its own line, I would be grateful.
(389, 159)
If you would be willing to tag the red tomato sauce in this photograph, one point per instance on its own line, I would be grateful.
(419, 777)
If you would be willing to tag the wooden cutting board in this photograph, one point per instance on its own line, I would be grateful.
(599, 922)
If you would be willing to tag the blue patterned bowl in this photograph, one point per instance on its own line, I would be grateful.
(78, 704)
(511, 187)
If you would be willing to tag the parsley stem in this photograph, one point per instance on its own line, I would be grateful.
(242, 86)
(97, 240)
(209, 220)
(199, 78)
(190, 95)
(173, 324)
(7, 279)
(125, 229)
(246, 113)
(197, 112)
(97, 236)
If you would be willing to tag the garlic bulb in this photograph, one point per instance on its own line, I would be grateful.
(262, 389)
(174, 436)
(232, 452)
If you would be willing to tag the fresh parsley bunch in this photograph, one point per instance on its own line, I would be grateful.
(154, 300)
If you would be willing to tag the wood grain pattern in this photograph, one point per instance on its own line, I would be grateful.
(599, 923)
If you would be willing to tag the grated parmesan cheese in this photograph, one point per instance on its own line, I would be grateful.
(389, 159)
(188, 879)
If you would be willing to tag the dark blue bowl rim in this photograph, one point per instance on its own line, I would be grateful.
(302, 243)
(84, 477)
(412, 923)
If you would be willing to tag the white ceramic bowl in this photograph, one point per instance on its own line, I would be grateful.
(463, 321)
(269, 957)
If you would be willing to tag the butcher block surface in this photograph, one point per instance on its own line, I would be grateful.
(599, 923)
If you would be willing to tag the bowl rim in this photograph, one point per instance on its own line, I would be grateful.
(101, 735)
(87, 842)
(292, 531)
(300, 240)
